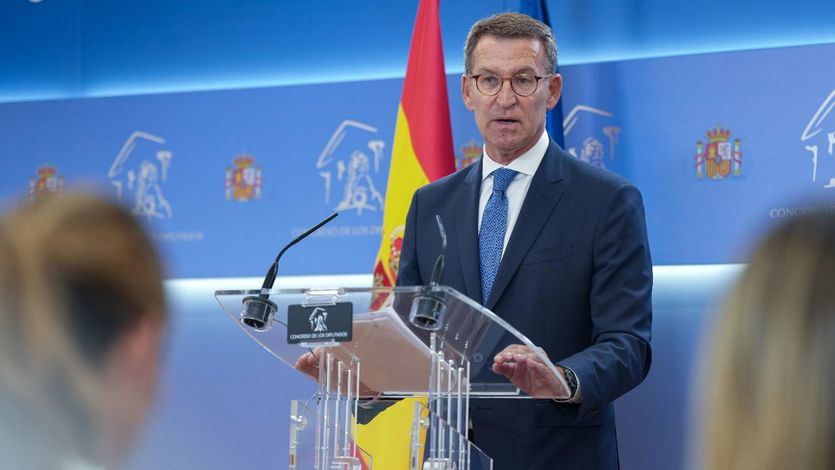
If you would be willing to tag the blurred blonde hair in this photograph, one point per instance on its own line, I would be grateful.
(76, 271)
(770, 388)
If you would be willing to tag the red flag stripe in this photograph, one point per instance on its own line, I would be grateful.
(425, 100)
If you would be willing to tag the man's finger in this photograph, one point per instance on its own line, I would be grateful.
(506, 369)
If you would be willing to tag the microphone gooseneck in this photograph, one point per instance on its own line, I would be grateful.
(259, 309)
(272, 273)
(438, 271)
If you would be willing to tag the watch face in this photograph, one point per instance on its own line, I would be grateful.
(570, 378)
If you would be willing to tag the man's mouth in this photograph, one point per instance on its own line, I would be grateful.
(506, 121)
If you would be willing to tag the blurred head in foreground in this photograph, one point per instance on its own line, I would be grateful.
(81, 319)
(771, 377)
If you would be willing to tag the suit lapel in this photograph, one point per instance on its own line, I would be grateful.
(543, 195)
(466, 227)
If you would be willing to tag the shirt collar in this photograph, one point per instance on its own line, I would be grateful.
(527, 163)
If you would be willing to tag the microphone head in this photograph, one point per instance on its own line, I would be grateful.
(258, 313)
(427, 312)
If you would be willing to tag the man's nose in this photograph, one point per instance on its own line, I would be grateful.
(506, 96)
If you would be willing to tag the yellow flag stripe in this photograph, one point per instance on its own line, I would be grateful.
(405, 177)
(387, 437)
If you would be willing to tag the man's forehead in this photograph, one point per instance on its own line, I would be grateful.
(508, 54)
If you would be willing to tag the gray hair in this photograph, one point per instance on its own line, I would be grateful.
(511, 26)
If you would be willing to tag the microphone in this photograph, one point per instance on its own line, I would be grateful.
(439, 263)
(427, 308)
(259, 310)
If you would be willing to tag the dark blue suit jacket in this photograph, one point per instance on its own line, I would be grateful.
(575, 278)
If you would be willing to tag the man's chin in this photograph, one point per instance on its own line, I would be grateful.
(507, 142)
(504, 154)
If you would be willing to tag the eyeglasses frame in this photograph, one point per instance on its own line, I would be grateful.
(503, 79)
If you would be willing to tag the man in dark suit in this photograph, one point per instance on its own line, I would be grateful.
(554, 246)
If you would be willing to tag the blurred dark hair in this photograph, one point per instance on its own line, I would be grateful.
(76, 271)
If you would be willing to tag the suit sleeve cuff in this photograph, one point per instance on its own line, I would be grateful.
(578, 394)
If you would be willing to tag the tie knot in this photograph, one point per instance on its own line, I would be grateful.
(502, 178)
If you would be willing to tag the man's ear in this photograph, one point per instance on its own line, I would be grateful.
(465, 92)
(554, 90)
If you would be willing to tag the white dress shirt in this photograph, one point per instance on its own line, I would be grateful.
(526, 165)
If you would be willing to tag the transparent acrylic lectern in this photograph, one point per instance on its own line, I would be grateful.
(430, 342)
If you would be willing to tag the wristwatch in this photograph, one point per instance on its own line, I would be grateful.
(570, 380)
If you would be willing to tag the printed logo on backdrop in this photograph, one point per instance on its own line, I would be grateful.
(140, 172)
(350, 171)
(595, 141)
(47, 180)
(719, 158)
(470, 153)
(140, 175)
(818, 139)
(349, 165)
(244, 180)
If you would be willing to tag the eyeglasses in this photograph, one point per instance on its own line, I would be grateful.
(523, 84)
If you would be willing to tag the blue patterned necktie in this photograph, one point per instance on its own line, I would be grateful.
(493, 228)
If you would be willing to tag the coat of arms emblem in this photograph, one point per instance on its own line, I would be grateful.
(243, 181)
(471, 151)
(720, 158)
(47, 181)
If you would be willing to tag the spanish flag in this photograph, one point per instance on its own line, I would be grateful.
(422, 152)
(538, 10)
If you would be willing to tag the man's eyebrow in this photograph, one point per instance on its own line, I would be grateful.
(527, 70)
(484, 70)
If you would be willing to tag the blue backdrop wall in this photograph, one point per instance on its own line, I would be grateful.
(224, 177)
(65, 48)
(720, 112)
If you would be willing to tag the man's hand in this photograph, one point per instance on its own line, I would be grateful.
(308, 364)
(521, 365)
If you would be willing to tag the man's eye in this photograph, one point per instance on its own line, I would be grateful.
(489, 80)
(524, 80)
